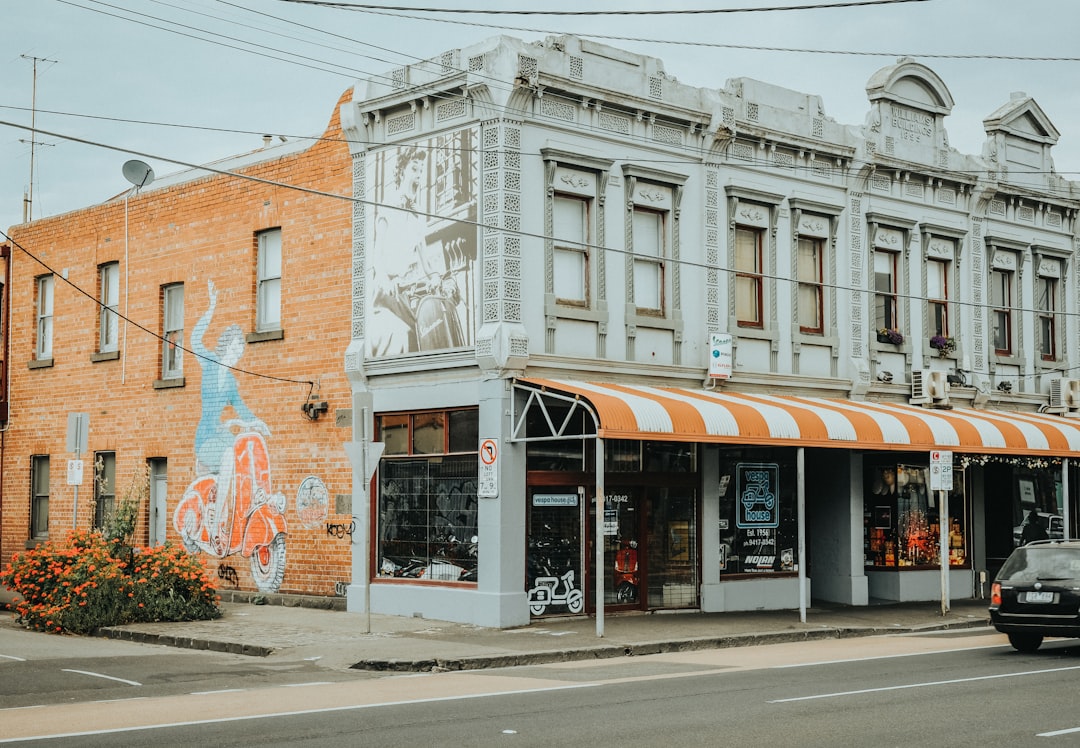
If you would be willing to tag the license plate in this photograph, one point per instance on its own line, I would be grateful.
(1039, 597)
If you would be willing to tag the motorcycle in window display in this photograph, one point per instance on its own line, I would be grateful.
(549, 567)
(626, 572)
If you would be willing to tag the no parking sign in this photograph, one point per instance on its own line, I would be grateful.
(940, 470)
(487, 484)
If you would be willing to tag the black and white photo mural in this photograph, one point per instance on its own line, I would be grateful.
(423, 241)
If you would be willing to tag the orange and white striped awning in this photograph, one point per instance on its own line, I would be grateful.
(679, 414)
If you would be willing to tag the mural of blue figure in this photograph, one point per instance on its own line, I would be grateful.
(214, 437)
(230, 507)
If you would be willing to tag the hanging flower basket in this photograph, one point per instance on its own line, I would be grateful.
(890, 335)
(944, 345)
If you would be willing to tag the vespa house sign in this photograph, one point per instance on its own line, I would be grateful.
(757, 485)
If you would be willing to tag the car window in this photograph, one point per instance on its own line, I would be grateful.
(1028, 564)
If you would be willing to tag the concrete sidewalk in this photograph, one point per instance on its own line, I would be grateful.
(337, 639)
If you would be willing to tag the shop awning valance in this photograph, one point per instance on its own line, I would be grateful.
(700, 415)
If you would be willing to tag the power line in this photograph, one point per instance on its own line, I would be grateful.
(130, 321)
(517, 232)
(500, 83)
(678, 12)
(720, 45)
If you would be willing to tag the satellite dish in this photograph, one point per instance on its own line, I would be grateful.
(138, 173)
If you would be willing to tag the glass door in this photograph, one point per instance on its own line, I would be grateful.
(625, 549)
(554, 576)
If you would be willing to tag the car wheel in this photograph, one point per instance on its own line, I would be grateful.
(1025, 642)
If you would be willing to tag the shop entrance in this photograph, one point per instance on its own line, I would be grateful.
(625, 549)
(650, 548)
(649, 541)
(554, 578)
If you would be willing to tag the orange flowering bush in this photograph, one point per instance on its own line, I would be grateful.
(83, 584)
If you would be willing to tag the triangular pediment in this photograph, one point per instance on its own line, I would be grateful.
(1023, 118)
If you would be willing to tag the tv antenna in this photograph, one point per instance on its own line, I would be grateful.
(28, 198)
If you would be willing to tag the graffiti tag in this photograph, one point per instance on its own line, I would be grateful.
(341, 529)
(228, 574)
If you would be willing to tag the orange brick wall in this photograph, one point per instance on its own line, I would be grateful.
(193, 233)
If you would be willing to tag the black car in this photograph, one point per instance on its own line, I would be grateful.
(1037, 593)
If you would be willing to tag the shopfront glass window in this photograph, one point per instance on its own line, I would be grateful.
(554, 558)
(758, 518)
(427, 507)
(901, 518)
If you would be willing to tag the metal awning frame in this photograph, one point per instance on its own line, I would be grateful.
(536, 399)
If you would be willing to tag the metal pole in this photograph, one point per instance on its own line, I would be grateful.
(598, 541)
(1065, 513)
(801, 511)
(943, 541)
(365, 519)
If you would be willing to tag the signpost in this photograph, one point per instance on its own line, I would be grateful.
(78, 433)
(941, 480)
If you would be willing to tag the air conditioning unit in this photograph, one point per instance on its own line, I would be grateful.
(929, 387)
(1065, 397)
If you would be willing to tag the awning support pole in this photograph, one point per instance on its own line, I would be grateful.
(801, 512)
(598, 539)
(943, 543)
(1065, 518)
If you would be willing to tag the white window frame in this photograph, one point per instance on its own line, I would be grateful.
(43, 346)
(268, 292)
(1002, 295)
(109, 304)
(1049, 303)
(172, 332)
(811, 286)
(750, 281)
(571, 259)
(650, 261)
(890, 296)
(938, 273)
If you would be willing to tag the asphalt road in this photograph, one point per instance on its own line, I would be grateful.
(964, 688)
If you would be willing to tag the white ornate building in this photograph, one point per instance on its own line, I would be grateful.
(761, 322)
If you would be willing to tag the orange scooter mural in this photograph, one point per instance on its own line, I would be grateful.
(231, 507)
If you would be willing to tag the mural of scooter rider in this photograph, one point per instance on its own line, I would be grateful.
(214, 436)
(398, 262)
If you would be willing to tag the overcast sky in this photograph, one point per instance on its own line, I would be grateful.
(199, 80)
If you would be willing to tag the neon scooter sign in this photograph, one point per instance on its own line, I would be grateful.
(757, 488)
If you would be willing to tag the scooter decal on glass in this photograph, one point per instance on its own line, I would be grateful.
(546, 592)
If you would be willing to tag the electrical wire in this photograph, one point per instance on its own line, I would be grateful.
(373, 76)
(577, 13)
(132, 322)
(720, 45)
(518, 232)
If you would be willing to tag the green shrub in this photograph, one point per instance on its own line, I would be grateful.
(88, 582)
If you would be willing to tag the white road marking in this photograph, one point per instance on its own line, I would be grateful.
(1055, 733)
(923, 685)
(223, 690)
(102, 675)
(304, 685)
(13, 657)
(299, 712)
(887, 657)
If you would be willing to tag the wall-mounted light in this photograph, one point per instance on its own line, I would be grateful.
(314, 408)
(885, 376)
(1005, 385)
